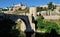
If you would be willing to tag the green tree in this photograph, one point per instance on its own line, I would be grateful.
(39, 9)
(27, 10)
(5, 9)
(45, 8)
(51, 6)
(40, 24)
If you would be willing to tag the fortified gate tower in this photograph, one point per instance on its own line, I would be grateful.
(32, 12)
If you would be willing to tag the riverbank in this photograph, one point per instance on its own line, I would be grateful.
(53, 33)
(39, 31)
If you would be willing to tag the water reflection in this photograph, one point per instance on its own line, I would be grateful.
(53, 33)
(27, 34)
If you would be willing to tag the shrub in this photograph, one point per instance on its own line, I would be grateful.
(46, 25)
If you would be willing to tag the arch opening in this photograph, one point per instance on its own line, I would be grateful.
(20, 25)
(25, 25)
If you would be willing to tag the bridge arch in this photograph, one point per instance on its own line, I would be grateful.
(26, 22)
(24, 18)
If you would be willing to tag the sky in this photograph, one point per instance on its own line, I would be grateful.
(8, 3)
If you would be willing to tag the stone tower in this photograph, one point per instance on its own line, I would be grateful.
(33, 11)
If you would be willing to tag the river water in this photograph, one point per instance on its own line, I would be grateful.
(27, 34)
(40, 35)
(53, 33)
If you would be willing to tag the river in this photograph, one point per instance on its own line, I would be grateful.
(53, 33)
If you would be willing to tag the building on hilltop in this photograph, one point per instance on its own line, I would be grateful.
(14, 8)
(18, 7)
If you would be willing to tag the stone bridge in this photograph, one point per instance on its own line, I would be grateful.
(15, 17)
(27, 19)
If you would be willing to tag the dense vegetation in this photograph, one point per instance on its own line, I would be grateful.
(46, 25)
(39, 9)
(27, 10)
(5, 9)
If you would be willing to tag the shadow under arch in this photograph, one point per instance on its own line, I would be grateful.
(6, 28)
